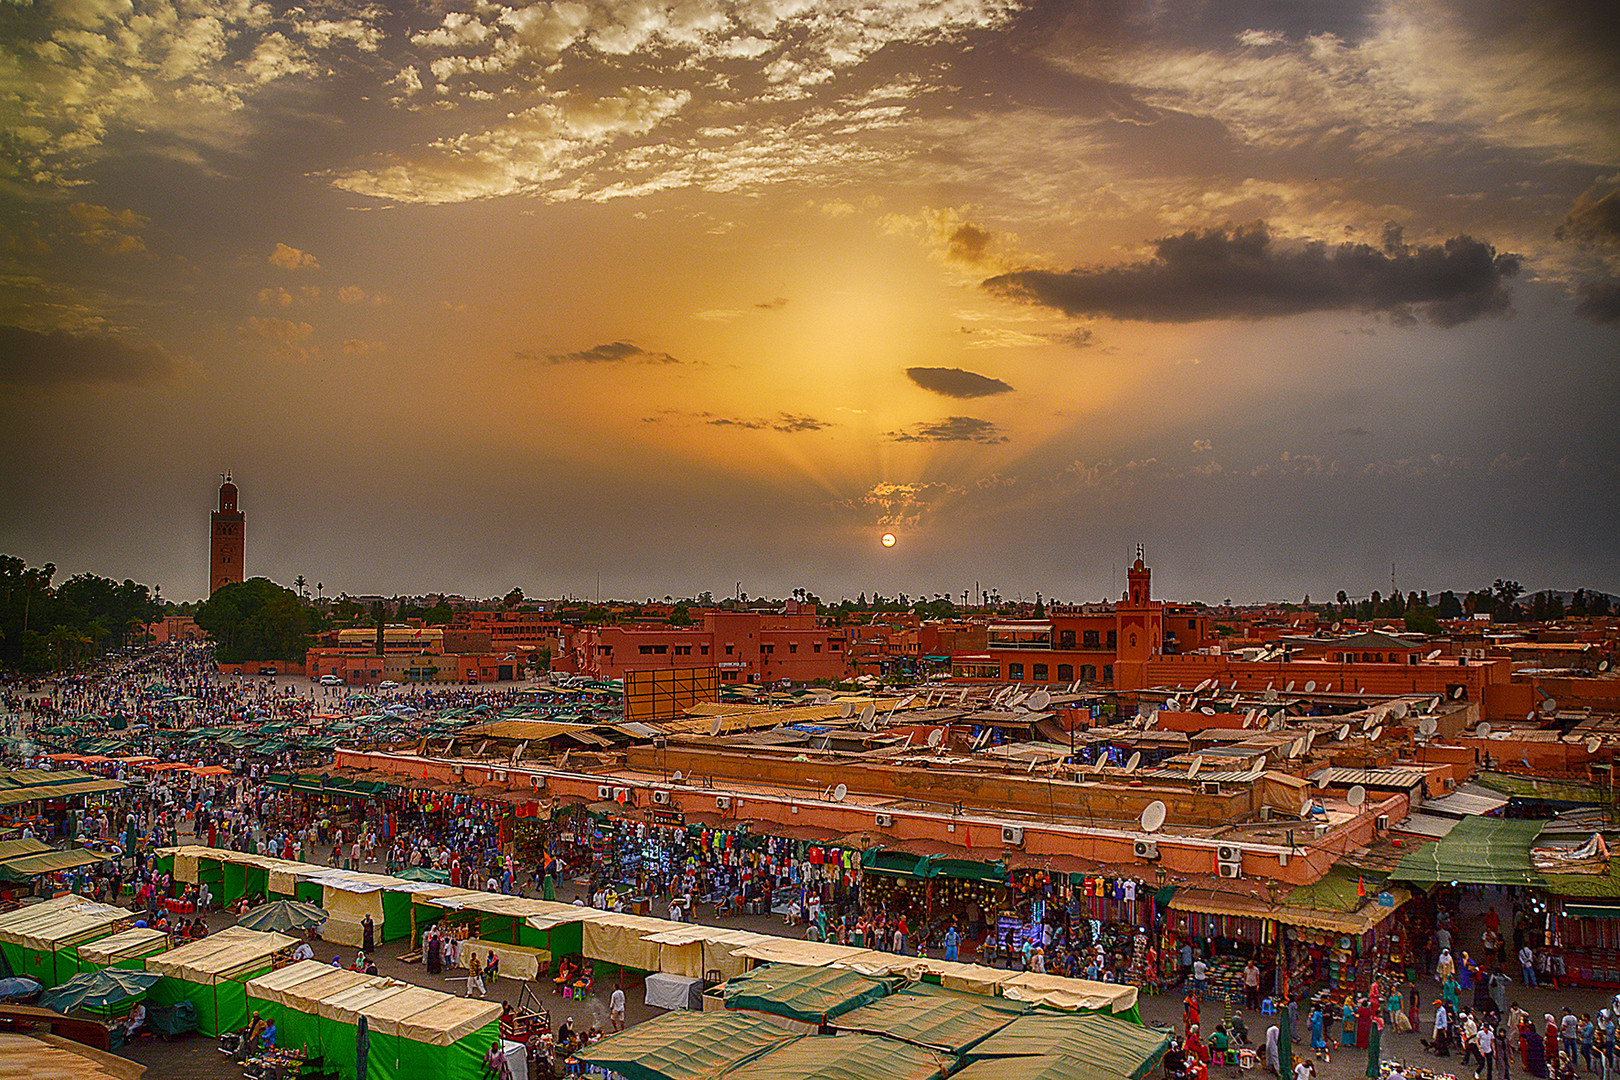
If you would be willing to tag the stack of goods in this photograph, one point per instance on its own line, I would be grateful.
(1225, 979)
(1415, 1072)
(274, 1064)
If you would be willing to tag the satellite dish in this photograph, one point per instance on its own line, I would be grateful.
(1336, 627)
(936, 736)
(1603, 665)
(1307, 808)
(840, 792)
(715, 725)
(867, 714)
(1018, 699)
(1377, 731)
(1344, 732)
(1201, 687)
(1040, 701)
(1249, 717)
(1549, 706)
(1098, 766)
(1207, 710)
(1435, 655)
(1400, 710)
(1592, 744)
(1197, 763)
(846, 709)
(1457, 693)
(1530, 717)
(905, 702)
(1428, 726)
(1310, 686)
(1136, 760)
(1289, 689)
(677, 777)
(1367, 722)
(1356, 796)
(1153, 816)
(1483, 731)
(1296, 748)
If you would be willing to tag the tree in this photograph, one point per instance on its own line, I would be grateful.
(513, 599)
(301, 585)
(255, 620)
(680, 616)
(1449, 607)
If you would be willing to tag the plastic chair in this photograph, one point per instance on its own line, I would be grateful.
(1268, 1007)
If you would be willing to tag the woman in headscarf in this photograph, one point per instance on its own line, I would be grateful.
(1465, 972)
(1347, 1021)
(1364, 1018)
(1318, 1040)
(1445, 967)
(1550, 1042)
(433, 953)
(1535, 1059)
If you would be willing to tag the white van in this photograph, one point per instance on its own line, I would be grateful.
(331, 680)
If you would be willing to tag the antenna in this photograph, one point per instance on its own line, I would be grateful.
(1356, 796)
(840, 792)
(1153, 816)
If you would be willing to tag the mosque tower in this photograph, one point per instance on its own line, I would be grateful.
(227, 540)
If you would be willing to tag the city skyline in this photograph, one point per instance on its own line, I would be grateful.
(479, 295)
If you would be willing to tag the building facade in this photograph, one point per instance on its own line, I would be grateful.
(749, 647)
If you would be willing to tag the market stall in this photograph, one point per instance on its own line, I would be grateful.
(41, 941)
(686, 1046)
(289, 996)
(128, 949)
(810, 995)
(213, 974)
(426, 1035)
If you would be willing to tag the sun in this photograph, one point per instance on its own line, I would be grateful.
(888, 539)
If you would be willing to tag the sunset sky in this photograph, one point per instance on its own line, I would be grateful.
(470, 295)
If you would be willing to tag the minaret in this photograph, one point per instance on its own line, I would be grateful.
(227, 540)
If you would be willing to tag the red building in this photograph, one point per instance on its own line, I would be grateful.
(747, 646)
(1086, 644)
(227, 540)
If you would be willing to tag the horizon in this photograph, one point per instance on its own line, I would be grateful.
(511, 292)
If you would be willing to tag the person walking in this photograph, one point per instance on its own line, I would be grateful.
(1251, 984)
(1486, 1048)
(368, 936)
(1527, 964)
(616, 1008)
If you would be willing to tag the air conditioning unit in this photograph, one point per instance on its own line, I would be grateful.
(603, 792)
(1210, 787)
(1231, 870)
(1146, 849)
(722, 802)
(621, 793)
(537, 782)
(660, 798)
(1320, 829)
(458, 771)
(1282, 858)
(1381, 823)
(883, 820)
(1012, 835)
(500, 776)
(1229, 853)
(1265, 813)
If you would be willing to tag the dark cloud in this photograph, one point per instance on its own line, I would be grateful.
(787, 423)
(614, 352)
(772, 305)
(1600, 301)
(952, 429)
(969, 244)
(1237, 273)
(28, 358)
(956, 383)
(1078, 338)
(1594, 219)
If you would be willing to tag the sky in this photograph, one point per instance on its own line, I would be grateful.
(642, 298)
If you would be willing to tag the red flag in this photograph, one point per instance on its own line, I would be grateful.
(1361, 888)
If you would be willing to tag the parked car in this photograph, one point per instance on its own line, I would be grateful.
(331, 680)
(388, 684)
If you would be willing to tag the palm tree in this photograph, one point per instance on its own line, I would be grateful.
(301, 585)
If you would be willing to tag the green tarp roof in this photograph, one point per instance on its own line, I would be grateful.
(686, 1046)
(1049, 1067)
(905, 864)
(1108, 1047)
(27, 867)
(1478, 851)
(845, 1057)
(810, 994)
(1604, 886)
(932, 1017)
(1337, 890)
(1533, 787)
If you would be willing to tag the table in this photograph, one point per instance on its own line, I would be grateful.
(517, 961)
(665, 991)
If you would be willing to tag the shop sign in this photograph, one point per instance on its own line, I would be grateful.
(1386, 899)
(567, 837)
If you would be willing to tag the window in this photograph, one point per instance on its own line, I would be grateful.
(817, 648)
(767, 649)
(683, 650)
(1113, 639)
(834, 646)
(1065, 673)
(730, 649)
(703, 650)
(1039, 673)
(1088, 672)
(793, 647)
(1090, 638)
(1015, 672)
(651, 650)
(1108, 674)
(1065, 639)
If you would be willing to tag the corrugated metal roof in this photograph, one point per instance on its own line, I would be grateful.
(1471, 800)
(1390, 778)
(1431, 825)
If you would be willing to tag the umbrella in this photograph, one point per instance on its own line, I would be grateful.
(1285, 1041)
(282, 915)
(98, 989)
(1373, 1054)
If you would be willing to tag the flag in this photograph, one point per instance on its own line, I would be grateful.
(1361, 886)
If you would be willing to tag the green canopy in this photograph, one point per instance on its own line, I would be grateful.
(1477, 851)
(98, 989)
(281, 916)
(929, 1016)
(845, 1057)
(1340, 889)
(425, 873)
(813, 995)
(1048, 1067)
(1112, 1047)
(686, 1046)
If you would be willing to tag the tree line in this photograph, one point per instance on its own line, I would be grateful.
(46, 626)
